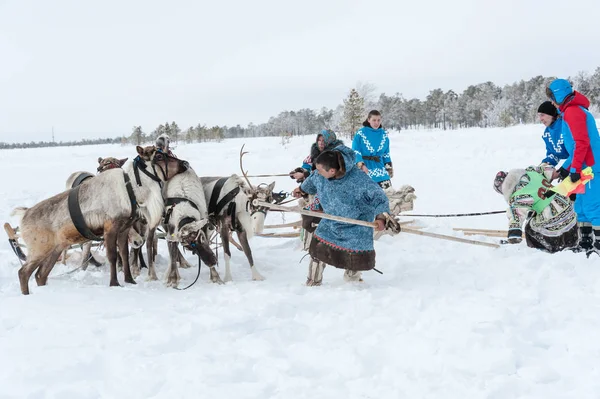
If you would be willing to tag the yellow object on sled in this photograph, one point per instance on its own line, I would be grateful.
(567, 187)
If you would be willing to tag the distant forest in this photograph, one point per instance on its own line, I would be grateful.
(480, 105)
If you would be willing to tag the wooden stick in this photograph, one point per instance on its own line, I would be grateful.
(481, 230)
(483, 233)
(450, 238)
(321, 215)
(277, 175)
(10, 231)
(297, 223)
(279, 235)
(370, 224)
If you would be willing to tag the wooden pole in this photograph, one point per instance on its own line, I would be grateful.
(369, 224)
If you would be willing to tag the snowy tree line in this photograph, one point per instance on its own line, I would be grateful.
(480, 105)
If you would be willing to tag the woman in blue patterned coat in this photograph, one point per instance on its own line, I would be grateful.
(344, 191)
(372, 148)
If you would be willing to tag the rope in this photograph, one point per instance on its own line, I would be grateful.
(455, 214)
(200, 264)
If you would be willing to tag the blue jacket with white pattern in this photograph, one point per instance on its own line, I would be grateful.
(555, 144)
(373, 143)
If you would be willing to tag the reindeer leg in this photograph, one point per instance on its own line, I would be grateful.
(155, 245)
(242, 235)
(226, 252)
(184, 264)
(133, 262)
(27, 270)
(86, 255)
(110, 241)
(41, 276)
(214, 275)
(150, 248)
(173, 276)
(123, 247)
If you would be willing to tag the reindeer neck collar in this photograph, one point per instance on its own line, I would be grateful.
(140, 165)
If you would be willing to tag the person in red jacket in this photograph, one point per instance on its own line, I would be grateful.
(582, 142)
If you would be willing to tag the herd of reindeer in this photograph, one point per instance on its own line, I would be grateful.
(124, 204)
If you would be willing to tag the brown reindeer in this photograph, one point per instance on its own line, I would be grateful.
(107, 205)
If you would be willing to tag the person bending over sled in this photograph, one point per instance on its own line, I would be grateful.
(344, 191)
(550, 221)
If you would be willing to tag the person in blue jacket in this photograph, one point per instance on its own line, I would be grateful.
(555, 145)
(371, 145)
(344, 191)
(582, 142)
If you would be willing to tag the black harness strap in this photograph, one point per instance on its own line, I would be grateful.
(81, 178)
(137, 162)
(77, 216)
(214, 207)
(134, 205)
(184, 221)
(172, 201)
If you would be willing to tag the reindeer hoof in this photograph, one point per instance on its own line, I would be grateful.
(227, 278)
(130, 281)
(114, 284)
(172, 284)
(217, 281)
(256, 276)
(152, 278)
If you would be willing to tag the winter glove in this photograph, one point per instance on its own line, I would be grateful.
(293, 175)
(575, 177)
(392, 226)
(563, 173)
(389, 169)
(514, 236)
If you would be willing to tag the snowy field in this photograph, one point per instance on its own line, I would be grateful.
(445, 320)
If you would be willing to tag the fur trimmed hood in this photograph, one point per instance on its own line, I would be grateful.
(510, 182)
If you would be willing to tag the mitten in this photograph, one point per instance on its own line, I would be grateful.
(575, 177)
(389, 169)
(563, 173)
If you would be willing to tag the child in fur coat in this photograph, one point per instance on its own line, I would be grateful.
(549, 218)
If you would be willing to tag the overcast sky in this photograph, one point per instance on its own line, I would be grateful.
(96, 69)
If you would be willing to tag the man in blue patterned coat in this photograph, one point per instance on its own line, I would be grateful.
(344, 191)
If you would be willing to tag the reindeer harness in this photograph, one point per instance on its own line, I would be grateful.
(215, 208)
(77, 215)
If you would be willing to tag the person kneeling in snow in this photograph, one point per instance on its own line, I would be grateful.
(348, 192)
(550, 221)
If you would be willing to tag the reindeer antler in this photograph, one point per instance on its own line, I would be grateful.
(245, 174)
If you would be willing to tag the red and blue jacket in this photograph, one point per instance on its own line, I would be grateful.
(580, 134)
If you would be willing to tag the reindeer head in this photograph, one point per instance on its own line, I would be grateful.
(167, 165)
(263, 192)
(107, 163)
(193, 236)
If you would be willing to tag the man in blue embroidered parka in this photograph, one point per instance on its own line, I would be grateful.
(371, 145)
(555, 145)
(344, 191)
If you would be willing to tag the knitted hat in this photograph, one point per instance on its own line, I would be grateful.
(548, 108)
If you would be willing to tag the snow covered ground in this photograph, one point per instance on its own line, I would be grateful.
(445, 320)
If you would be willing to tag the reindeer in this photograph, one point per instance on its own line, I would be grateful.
(186, 220)
(77, 178)
(230, 208)
(106, 205)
